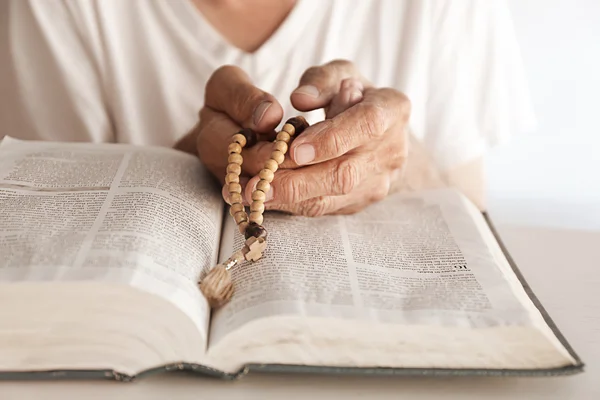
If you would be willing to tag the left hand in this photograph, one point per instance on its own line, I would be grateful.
(349, 160)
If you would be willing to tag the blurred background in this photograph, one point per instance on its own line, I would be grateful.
(551, 177)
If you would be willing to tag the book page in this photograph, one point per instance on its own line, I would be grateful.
(144, 217)
(410, 259)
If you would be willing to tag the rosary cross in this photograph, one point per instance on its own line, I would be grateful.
(255, 248)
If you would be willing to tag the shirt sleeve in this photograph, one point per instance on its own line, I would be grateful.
(51, 86)
(478, 95)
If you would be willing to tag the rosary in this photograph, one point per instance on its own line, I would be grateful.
(217, 286)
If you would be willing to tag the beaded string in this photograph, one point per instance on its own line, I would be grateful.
(217, 285)
(252, 225)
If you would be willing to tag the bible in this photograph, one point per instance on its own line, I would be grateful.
(102, 247)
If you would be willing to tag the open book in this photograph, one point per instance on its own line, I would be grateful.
(102, 245)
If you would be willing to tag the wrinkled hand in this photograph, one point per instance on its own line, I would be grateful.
(231, 102)
(338, 166)
(348, 161)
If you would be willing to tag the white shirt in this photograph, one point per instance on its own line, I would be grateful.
(134, 71)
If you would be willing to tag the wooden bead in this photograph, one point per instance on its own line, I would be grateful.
(234, 148)
(277, 156)
(289, 128)
(257, 206)
(234, 169)
(259, 195)
(235, 208)
(235, 159)
(240, 217)
(239, 138)
(250, 137)
(281, 146)
(283, 136)
(299, 124)
(232, 178)
(235, 188)
(243, 227)
(256, 217)
(256, 230)
(267, 175)
(235, 198)
(271, 165)
(263, 185)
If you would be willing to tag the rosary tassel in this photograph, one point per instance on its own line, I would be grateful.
(217, 286)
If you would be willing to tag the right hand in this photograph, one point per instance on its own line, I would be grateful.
(231, 103)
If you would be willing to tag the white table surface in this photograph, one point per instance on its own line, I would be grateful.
(562, 267)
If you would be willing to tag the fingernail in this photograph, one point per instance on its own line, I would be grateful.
(355, 96)
(269, 195)
(304, 154)
(260, 111)
(225, 194)
(308, 90)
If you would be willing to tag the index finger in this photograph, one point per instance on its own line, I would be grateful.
(368, 120)
(319, 85)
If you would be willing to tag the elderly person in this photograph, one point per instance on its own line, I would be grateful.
(401, 94)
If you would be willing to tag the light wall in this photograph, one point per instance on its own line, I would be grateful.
(551, 177)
